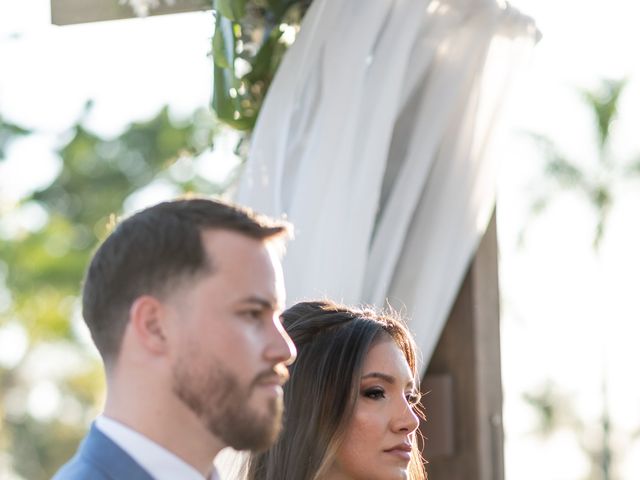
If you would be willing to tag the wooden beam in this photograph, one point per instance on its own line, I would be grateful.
(440, 427)
(468, 353)
(68, 12)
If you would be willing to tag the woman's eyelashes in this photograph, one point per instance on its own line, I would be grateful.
(374, 393)
(413, 398)
(377, 393)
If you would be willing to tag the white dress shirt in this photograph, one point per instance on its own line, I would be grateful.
(158, 461)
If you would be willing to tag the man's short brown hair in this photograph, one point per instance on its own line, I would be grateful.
(151, 251)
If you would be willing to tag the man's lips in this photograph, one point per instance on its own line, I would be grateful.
(271, 379)
(274, 380)
(271, 385)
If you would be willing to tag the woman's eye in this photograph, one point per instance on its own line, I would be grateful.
(413, 398)
(374, 393)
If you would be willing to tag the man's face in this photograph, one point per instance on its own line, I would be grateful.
(231, 351)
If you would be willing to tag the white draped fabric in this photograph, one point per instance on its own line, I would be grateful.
(373, 142)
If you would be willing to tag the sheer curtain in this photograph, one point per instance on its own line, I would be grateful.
(373, 141)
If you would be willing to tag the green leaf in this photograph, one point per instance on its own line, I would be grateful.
(228, 108)
(248, 31)
(219, 52)
(604, 104)
(558, 168)
(563, 172)
(231, 9)
(231, 106)
(263, 65)
(224, 43)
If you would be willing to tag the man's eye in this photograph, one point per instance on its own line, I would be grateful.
(374, 393)
(253, 314)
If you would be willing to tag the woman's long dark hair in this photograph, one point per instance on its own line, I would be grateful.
(320, 397)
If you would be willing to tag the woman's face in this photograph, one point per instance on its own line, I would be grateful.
(380, 434)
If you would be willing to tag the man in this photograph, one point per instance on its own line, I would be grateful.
(183, 302)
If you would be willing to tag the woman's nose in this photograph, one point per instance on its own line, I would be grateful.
(407, 419)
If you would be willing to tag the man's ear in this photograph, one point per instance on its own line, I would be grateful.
(146, 317)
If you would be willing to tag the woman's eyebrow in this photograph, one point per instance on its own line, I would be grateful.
(383, 376)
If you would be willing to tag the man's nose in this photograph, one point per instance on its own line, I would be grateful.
(281, 348)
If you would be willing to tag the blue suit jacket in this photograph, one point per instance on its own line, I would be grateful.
(99, 458)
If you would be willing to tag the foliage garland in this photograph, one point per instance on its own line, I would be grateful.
(247, 47)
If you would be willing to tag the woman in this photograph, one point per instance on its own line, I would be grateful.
(350, 403)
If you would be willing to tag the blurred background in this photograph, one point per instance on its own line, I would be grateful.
(102, 119)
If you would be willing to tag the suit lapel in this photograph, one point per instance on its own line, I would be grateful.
(107, 456)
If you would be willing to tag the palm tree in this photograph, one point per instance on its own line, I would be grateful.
(596, 185)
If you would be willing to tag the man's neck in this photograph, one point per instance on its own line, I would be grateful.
(167, 422)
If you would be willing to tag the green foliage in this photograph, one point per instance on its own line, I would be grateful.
(595, 185)
(552, 407)
(555, 409)
(86, 386)
(37, 447)
(247, 48)
(42, 269)
(99, 173)
(604, 104)
(232, 9)
(9, 131)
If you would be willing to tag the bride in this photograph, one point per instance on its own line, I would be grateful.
(351, 401)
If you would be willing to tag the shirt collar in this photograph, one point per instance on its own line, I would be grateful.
(158, 461)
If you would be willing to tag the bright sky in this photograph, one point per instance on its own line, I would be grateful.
(561, 304)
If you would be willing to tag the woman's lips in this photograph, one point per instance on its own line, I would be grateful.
(402, 451)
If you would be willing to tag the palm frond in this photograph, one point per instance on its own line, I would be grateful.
(557, 167)
(604, 104)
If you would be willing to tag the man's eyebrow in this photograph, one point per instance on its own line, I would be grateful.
(263, 302)
(390, 379)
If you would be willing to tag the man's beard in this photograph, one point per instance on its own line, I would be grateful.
(222, 404)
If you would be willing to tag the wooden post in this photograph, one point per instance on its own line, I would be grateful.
(67, 12)
(465, 380)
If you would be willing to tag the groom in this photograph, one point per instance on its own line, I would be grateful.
(183, 301)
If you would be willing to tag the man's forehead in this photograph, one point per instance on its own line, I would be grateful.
(248, 268)
(228, 247)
